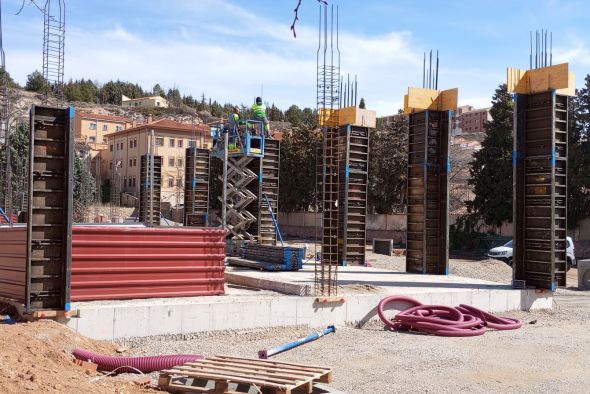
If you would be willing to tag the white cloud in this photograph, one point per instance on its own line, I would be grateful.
(230, 61)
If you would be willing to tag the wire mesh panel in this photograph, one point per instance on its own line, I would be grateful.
(352, 202)
(49, 227)
(428, 190)
(540, 195)
(196, 189)
(150, 191)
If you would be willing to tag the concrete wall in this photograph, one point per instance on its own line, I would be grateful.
(303, 225)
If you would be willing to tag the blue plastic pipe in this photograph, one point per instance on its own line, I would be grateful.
(264, 354)
(272, 216)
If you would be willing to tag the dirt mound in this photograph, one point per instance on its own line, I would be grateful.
(36, 357)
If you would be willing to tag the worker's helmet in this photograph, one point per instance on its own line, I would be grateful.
(258, 100)
(237, 109)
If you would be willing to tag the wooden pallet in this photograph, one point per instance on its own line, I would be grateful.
(219, 374)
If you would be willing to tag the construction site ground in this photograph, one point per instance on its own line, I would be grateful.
(35, 357)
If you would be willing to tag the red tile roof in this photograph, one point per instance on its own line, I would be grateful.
(91, 116)
(166, 124)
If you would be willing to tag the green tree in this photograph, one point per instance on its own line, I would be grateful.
(578, 205)
(388, 160)
(82, 90)
(84, 189)
(111, 92)
(362, 104)
(158, 91)
(491, 169)
(298, 161)
(19, 154)
(35, 82)
(5, 75)
(275, 114)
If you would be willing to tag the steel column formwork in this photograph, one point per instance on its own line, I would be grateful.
(150, 191)
(540, 190)
(196, 189)
(49, 227)
(352, 202)
(428, 193)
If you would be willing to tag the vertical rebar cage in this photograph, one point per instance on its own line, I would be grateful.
(427, 239)
(540, 189)
(328, 103)
(49, 216)
(54, 32)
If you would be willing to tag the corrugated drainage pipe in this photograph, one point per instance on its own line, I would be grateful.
(462, 321)
(144, 364)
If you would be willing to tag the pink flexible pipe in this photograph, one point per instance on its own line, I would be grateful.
(143, 364)
(462, 321)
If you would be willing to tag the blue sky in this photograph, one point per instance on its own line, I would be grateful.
(227, 49)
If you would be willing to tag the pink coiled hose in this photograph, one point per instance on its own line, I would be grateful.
(462, 321)
(143, 364)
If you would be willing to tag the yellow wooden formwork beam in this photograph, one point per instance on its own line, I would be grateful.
(348, 115)
(545, 79)
(419, 99)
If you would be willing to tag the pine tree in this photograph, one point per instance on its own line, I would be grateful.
(35, 82)
(491, 168)
(362, 104)
(84, 189)
(388, 161)
(578, 204)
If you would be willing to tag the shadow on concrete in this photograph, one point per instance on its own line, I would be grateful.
(426, 284)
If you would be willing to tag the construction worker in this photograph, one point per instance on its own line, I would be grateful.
(259, 110)
(234, 119)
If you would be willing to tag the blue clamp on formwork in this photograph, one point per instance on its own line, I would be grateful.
(553, 286)
(344, 263)
(347, 171)
(449, 166)
(514, 158)
(553, 158)
(67, 307)
(194, 182)
(72, 112)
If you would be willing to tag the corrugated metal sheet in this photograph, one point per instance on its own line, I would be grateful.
(13, 262)
(114, 262)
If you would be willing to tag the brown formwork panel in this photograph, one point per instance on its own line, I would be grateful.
(428, 189)
(196, 190)
(353, 159)
(49, 227)
(540, 190)
(145, 190)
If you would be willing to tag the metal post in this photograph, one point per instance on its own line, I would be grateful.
(224, 192)
(150, 175)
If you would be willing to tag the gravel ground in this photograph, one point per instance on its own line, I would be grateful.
(551, 353)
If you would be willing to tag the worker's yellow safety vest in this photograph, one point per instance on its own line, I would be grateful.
(259, 110)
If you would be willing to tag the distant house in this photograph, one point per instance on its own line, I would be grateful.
(144, 102)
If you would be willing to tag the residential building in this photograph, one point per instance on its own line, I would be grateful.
(467, 119)
(144, 102)
(390, 120)
(166, 138)
(92, 128)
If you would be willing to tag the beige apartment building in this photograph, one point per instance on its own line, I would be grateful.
(144, 102)
(166, 138)
(93, 128)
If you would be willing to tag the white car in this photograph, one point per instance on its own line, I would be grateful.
(504, 253)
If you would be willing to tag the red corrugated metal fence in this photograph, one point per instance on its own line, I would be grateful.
(13, 262)
(115, 262)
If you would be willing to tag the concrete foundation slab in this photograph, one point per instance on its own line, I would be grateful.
(362, 288)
